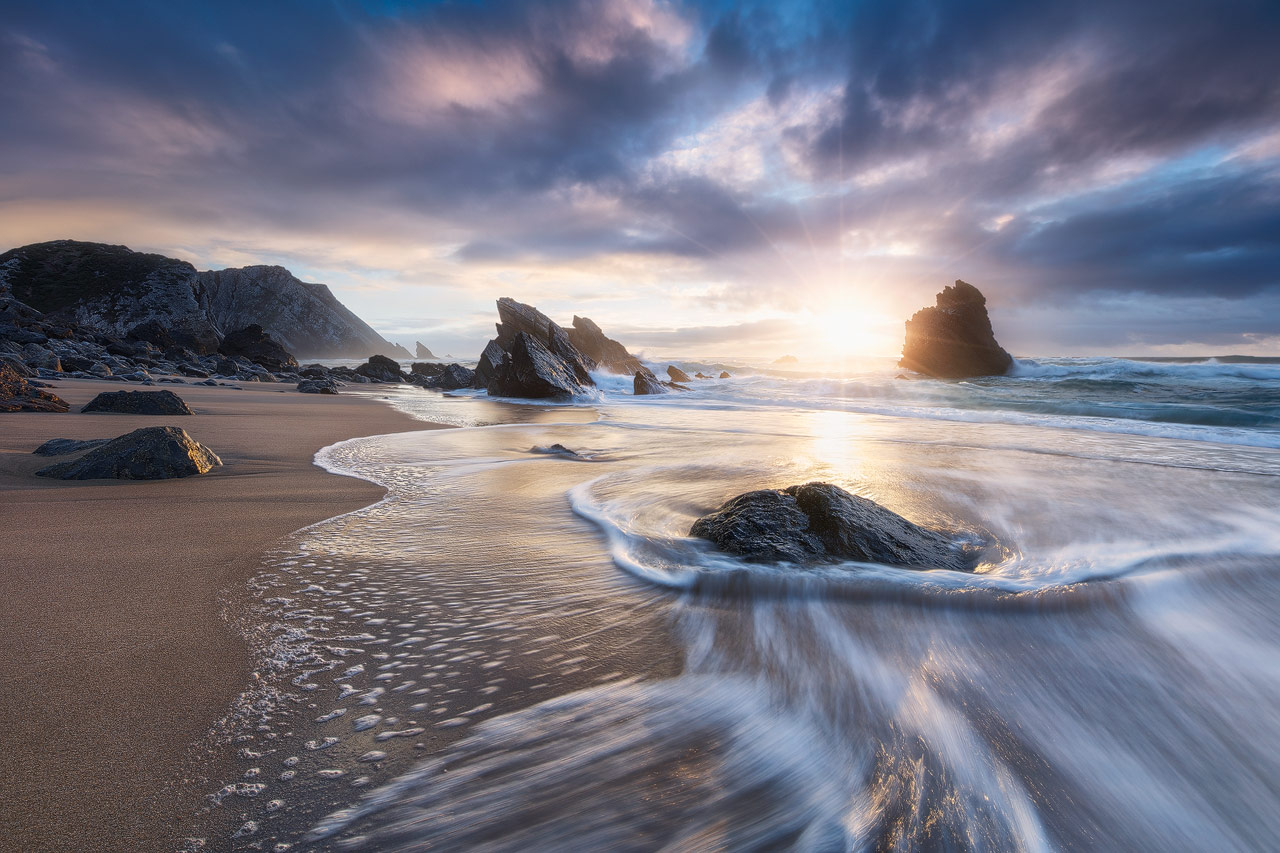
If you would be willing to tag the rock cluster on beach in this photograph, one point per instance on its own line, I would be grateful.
(19, 395)
(954, 339)
(150, 453)
(820, 522)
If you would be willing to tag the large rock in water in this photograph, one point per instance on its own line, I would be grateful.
(451, 377)
(954, 339)
(819, 522)
(646, 383)
(252, 342)
(531, 370)
(18, 395)
(604, 351)
(138, 403)
(676, 374)
(150, 453)
(537, 367)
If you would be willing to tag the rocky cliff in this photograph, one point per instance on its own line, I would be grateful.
(124, 293)
(953, 339)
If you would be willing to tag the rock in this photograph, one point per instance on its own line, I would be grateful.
(953, 339)
(381, 369)
(724, 374)
(150, 453)
(304, 317)
(323, 385)
(314, 371)
(63, 446)
(451, 378)
(421, 351)
(18, 395)
(428, 369)
(257, 346)
(537, 368)
(530, 370)
(560, 450)
(819, 522)
(226, 367)
(676, 374)
(604, 351)
(138, 403)
(38, 356)
(786, 359)
(193, 371)
(193, 334)
(700, 375)
(487, 366)
(646, 383)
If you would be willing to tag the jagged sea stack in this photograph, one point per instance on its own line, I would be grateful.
(953, 339)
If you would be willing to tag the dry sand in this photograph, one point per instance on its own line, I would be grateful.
(115, 659)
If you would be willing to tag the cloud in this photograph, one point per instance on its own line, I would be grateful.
(683, 164)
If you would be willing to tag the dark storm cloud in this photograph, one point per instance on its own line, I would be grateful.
(1056, 150)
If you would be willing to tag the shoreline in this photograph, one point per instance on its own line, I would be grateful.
(118, 659)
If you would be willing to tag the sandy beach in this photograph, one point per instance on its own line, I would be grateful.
(115, 657)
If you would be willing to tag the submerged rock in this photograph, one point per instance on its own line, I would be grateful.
(533, 371)
(138, 403)
(18, 395)
(819, 522)
(63, 446)
(953, 339)
(257, 346)
(676, 374)
(150, 453)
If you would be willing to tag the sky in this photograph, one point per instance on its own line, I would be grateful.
(715, 178)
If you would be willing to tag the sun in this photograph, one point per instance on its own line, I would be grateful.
(848, 327)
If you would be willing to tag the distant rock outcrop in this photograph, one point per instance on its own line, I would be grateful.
(819, 522)
(604, 351)
(953, 339)
(531, 357)
(786, 359)
(676, 374)
(252, 342)
(117, 292)
(150, 453)
(18, 395)
(421, 351)
(138, 403)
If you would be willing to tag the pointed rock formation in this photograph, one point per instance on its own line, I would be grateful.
(953, 339)
(606, 352)
(676, 374)
(531, 357)
(646, 383)
(421, 351)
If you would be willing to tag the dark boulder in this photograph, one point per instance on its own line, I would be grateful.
(819, 523)
(19, 395)
(421, 351)
(427, 369)
(138, 403)
(323, 385)
(531, 370)
(150, 453)
(646, 383)
(63, 446)
(380, 369)
(500, 366)
(257, 346)
(676, 374)
(197, 337)
(451, 378)
(953, 339)
(610, 355)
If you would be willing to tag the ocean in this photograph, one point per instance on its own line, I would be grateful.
(522, 649)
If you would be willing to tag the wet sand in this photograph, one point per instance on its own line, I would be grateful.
(115, 658)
